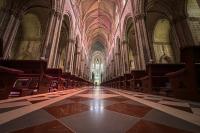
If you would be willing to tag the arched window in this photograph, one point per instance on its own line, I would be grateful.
(194, 19)
(162, 43)
(97, 67)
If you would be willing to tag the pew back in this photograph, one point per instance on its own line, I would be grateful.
(28, 66)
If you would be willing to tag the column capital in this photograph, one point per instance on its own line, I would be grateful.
(56, 13)
(15, 13)
(139, 16)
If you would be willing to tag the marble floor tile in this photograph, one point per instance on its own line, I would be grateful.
(99, 110)
(67, 109)
(35, 118)
(187, 109)
(79, 99)
(97, 95)
(196, 111)
(182, 104)
(117, 99)
(129, 109)
(149, 127)
(14, 104)
(171, 121)
(50, 127)
(103, 121)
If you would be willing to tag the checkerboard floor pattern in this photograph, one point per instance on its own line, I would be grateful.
(100, 111)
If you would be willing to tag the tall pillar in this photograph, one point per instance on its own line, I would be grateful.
(126, 57)
(117, 63)
(142, 40)
(123, 66)
(77, 62)
(72, 59)
(5, 15)
(10, 33)
(53, 40)
(48, 34)
(70, 53)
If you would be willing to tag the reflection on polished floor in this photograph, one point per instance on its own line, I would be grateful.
(98, 110)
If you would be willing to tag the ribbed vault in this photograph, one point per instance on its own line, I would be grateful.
(98, 17)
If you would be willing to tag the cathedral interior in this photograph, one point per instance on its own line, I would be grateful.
(100, 66)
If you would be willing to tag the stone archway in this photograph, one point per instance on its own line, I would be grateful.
(131, 42)
(162, 43)
(27, 44)
(63, 45)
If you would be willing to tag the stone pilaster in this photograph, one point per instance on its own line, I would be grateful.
(142, 40)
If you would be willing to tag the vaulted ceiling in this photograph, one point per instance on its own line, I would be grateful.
(98, 19)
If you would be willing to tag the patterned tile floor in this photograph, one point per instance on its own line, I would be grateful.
(98, 110)
(188, 106)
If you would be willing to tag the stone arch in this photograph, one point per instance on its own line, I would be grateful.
(162, 43)
(130, 41)
(64, 43)
(159, 10)
(27, 43)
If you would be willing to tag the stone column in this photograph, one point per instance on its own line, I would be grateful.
(112, 69)
(123, 68)
(72, 59)
(5, 15)
(55, 36)
(70, 53)
(117, 64)
(142, 40)
(77, 62)
(10, 33)
(126, 57)
(48, 34)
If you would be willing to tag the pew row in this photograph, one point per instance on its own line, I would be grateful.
(7, 78)
(34, 78)
(156, 80)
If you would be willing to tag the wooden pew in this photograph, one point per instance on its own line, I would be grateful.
(66, 76)
(183, 86)
(54, 77)
(186, 82)
(135, 81)
(33, 70)
(127, 78)
(7, 78)
(156, 80)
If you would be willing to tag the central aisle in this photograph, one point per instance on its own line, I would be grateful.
(98, 110)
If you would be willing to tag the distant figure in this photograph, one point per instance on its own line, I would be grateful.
(1, 48)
